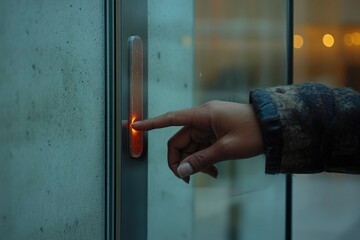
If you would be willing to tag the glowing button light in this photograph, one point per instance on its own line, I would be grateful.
(136, 142)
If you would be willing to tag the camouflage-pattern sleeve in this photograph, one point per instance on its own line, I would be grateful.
(309, 128)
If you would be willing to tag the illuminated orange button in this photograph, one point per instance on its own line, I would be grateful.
(136, 142)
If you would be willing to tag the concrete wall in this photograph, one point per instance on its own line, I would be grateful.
(52, 119)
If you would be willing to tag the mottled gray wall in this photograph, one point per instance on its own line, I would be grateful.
(51, 119)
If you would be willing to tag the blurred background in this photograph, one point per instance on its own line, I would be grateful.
(240, 45)
(327, 42)
(327, 50)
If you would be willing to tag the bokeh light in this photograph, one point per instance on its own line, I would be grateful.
(298, 41)
(328, 40)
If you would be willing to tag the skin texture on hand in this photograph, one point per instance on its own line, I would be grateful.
(213, 132)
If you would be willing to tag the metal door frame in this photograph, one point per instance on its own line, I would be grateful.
(131, 19)
(289, 77)
(126, 177)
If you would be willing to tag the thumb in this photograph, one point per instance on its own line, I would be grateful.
(202, 160)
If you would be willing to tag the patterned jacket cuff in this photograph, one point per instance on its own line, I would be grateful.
(271, 127)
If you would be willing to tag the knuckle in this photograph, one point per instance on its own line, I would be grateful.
(200, 162)
(212, 106)
(211, 110)
(222, 145)
(170, 116)
(215, 102)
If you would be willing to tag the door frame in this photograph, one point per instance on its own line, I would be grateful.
(126, 177)
(109, 120)
(289, 78)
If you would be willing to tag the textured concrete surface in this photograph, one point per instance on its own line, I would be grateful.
(52, 119)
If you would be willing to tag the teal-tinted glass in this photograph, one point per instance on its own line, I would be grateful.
(200, 51)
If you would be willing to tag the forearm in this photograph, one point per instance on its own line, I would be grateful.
(309, 128)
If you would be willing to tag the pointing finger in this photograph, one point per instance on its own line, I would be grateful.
(172, 118)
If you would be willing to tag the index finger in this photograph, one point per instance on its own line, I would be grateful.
(173, 118)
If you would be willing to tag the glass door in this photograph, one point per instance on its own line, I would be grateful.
(327, 51)
(194, 52)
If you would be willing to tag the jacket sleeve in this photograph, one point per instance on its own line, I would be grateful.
(309, 128)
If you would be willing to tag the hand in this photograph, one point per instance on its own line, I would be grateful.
(213, 132)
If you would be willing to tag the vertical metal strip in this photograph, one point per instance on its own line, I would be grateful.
(118, 116)
(131, 176)
(109, 120)
(290, 72)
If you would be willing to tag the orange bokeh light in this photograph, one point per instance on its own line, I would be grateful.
(328, 40)
(298, 41)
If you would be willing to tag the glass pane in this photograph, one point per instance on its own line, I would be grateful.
(199, 51)
(327, 50)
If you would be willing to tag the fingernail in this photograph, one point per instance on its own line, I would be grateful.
(185, 169)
